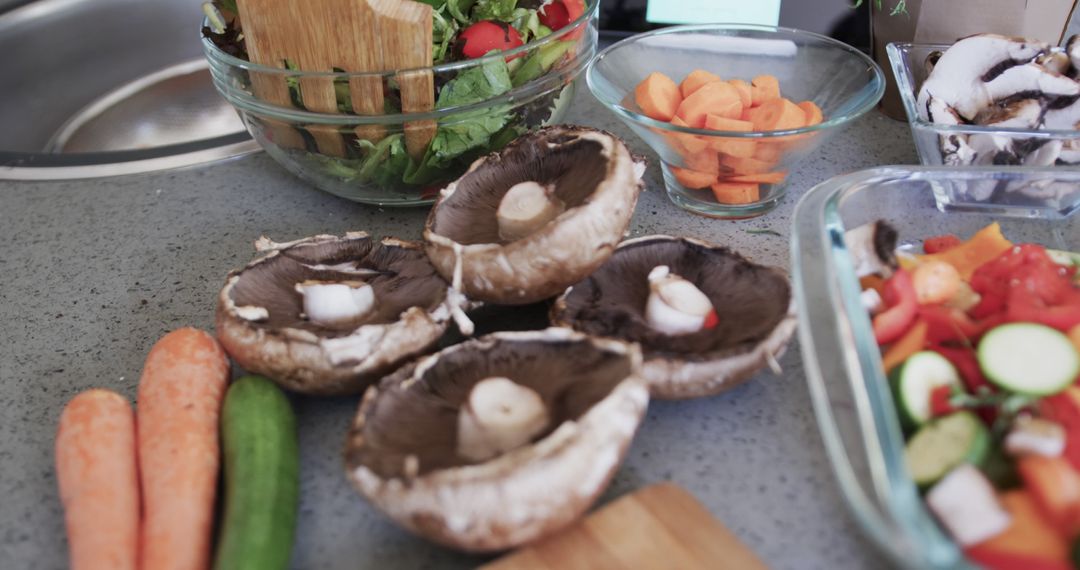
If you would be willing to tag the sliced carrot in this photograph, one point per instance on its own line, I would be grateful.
(692, 178)
(696, 80)
(180, 395)
(763, 178)
(709, 98)
(730, 145)
(812, 112)
(769, 150)
(1055, 487)
(764, 88)
(745, 91)
(722, 123)
(99, 481)
(743, 166)
(687, 144)
(736, 192)
(777, 115)
(731, 110)
(913, 341)
(704, 161)
(658, 96)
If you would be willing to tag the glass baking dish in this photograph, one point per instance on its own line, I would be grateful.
(849, 391)
(957, 145)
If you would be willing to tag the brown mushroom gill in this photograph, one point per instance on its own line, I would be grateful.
(420, 418)
(750, 300)
(573, 166)
(400, 276)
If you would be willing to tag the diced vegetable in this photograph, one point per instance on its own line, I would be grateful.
(98, 479)
(709, 98)
(693, 179)
(812, 113)
(1035, 436)
(745, 92)
(1028, 359)
(1064, 408)
(984, 246)
(915, 379)
(892, 323)
(944, 444)
(965, 503)
(912, 342)
(696, 80)
(180, 394)
(935, 282)
(764, 88)
(1055, 486)
(766, 178)
(736, 192)
(946, 324)
(777, 115)
(658, 96)
(1029, 542)
(484, 37)
(938, 244)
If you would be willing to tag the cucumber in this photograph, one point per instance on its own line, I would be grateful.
(945, 443)
(915, 379)
(1028, 358)
(258, 433)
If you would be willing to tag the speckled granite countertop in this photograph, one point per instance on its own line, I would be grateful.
(95, 271)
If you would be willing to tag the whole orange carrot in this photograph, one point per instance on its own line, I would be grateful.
(180, 394)
(99, 481)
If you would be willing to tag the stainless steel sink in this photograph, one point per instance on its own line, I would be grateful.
(101, 87)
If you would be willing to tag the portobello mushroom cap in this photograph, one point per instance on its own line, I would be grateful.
(592, 177)
(753, 303)
(261, 322)
(403, 448)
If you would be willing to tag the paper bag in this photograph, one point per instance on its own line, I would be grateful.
(945, 21)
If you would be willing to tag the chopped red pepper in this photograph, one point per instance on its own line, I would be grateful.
(1064, 408)
(939, 401)
(967, 365)
(1027, 285)
(947, 325)
(938, 244)
(899, 296)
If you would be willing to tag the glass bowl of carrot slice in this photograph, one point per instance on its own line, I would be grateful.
(730, 109)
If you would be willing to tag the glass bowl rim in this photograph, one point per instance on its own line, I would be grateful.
(906, 86)
(627, 114)
(215, 54)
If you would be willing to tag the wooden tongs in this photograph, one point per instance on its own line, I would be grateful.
(342, 35)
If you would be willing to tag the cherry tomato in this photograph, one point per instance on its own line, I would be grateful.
(486, 36)
(554, 15)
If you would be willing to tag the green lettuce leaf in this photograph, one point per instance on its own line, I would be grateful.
(502, 10)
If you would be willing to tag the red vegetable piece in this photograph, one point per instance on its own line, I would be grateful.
(1030, 542)
(486, 36)
(938, 244)
(574, 8)
(967, 365)
(892, 323)
(554, 15)
(939, 401)
(711, 320)
(947, 325)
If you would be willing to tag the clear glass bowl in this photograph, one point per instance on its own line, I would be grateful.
(366, 158)
(931, 140)
(848, 388)
(842, 81)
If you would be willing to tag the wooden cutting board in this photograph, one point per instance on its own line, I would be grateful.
(658, 527)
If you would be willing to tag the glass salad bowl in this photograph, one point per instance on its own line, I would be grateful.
(849, 391)
(841, 81)
(397, 158)
(935, 142)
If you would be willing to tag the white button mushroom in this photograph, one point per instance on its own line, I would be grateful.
(675, 305)
(526, 207)
(499, 415)
(332, 304)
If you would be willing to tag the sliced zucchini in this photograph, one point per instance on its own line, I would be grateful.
(1028, 358)
(945, 443)
(915, 379)
(1061, 257)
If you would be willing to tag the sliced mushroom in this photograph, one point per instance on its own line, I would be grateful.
(404, 450)
(872, 248)
(961, 75)
(754, 307)
(1072, 49)
(500, 234)
(330, 315)
(1012, 114)
(1030, 80)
